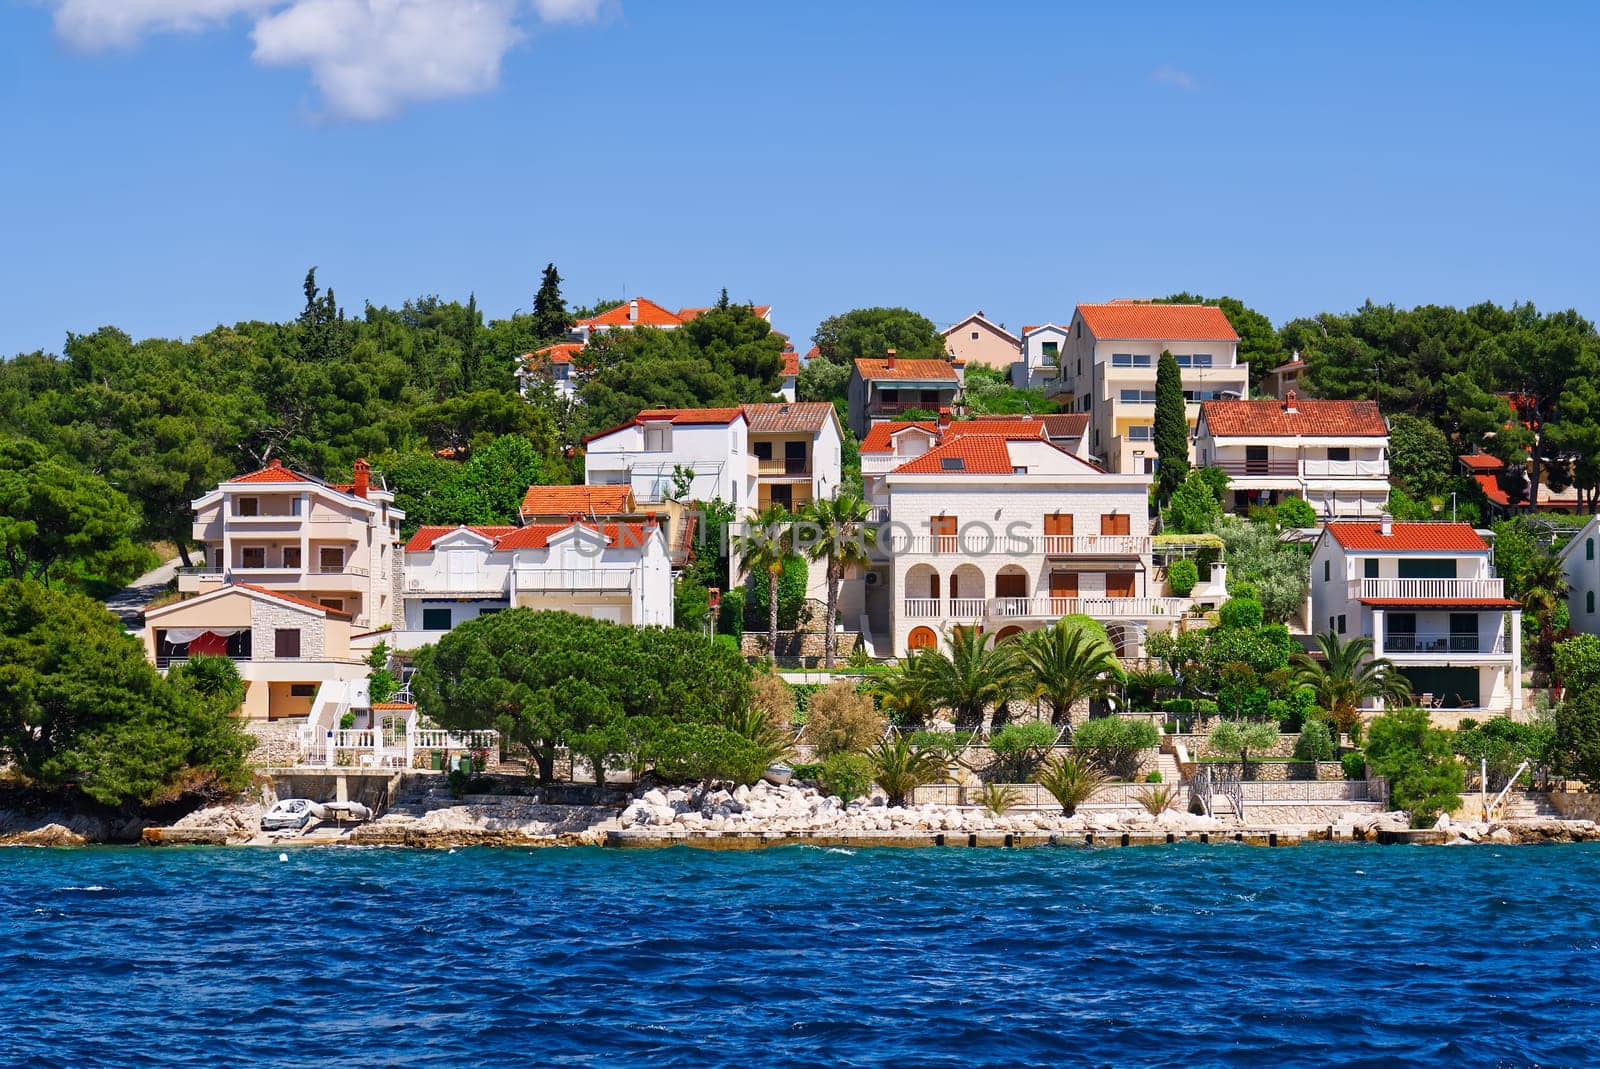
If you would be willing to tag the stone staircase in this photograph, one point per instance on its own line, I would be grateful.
(1167, 765)
(1526, 805)
(419, 794)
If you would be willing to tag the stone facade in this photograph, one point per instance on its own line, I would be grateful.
(270, 615)
(277, 743)
(1283, 771)
(798, 645)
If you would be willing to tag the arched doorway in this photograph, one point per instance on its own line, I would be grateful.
(1006, 633)
(922, 638)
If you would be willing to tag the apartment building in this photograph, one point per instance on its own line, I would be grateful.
(332, 544)
(1427, 596)
(889, 388)
(1334, 454)
(1040, 365)
(1108, 370)
(682, 454)
(799, 451)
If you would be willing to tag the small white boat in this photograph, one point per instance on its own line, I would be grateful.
(347, 810)
(778, 774)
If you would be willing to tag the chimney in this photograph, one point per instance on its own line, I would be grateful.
(274, 463)
(1386, 525)
(888, 359)
(633, 310)
(650, 521)
(363, 477)
(944, 418)
(1288, 402)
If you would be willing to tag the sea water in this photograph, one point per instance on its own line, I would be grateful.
(1187, 955)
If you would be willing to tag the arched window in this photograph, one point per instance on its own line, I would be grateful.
(1588, 550)
(922, 638)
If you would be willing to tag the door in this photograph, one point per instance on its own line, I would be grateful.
(1119, 584)
(1400, 633)
(944, 534)
(1428, 569)
(1011, 585)
(794, 458)
(1463, 632)
(1255, 460)
(782, 495)
(1058, 532)
(462, 569)
(1063, 591)
(330, 560)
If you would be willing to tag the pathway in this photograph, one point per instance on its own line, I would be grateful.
(128, 603)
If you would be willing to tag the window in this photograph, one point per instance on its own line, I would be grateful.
(302, 690)
(782, 494)
(1341, 623)
(253, 557)
(1588, 602)
(1051, 351)
(657, 438)
(330, 559)
(1369, 568)
(1119, 584)
(336, 604)
(1058, 525)
(1129, 360)
(436, 619)
(1327, 571)
(1192, 359)
(489, 612)
(1140, 433)
(1341, 453)
(922, 638)
(763, 450)
(1080, 365)
(974, 335)
(248, 506)
(1588, 550)
(286, 642)
(291, 556)
(1114, 523)
(1138, 397)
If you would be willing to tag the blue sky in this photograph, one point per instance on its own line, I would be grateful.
(1016, 158)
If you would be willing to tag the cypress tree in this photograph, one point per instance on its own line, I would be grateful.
(550, 316)
(1172, 427)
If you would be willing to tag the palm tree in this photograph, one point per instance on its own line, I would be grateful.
(1063, 664)
(899, 768)
(1072, 780)
(1544, 590)
(766, 545)
(971, 677)
(842, 537)
(902, 692)
(1346, 675)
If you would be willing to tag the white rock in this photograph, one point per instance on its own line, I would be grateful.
(654, 796)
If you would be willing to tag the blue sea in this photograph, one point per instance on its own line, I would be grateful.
(1186, 956)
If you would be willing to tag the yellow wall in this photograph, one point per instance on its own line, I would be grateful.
(280, 703)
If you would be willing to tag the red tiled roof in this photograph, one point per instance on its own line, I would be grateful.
(762, 311)
(874, 369)
(1138, 321)
(426, 536)
(1291, 365)
(274, 472)
(1481, 462)
(978, 454)
(1015, 427)
(651, 314)
(791, 363)
(533, 536)
(880, 438)
(1366, 535)
(1458, 603)
(1270, 418)
(582, 500)
(806, 417)
(394, 705)
(290, 598)
(677, 417)
(559, 353)
(812, 353)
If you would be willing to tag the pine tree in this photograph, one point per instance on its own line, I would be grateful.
(1172, 427)
(550, 317)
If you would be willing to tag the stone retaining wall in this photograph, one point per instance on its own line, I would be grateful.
(1280, 771)
(808, 646)
(1576, 806)
(277, 742)
(1197, 745)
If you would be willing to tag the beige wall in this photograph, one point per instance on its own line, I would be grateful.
(987, 348)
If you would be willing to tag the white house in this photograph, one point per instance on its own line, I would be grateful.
(677, 453)
(1426, 594)
(999, 527)
(1581, 564)
(1334, 454)
(610, 571)
(554, 364)
(333, 544)
(641, 312)
(1108, 370)
(894, 442)
(1042, 346)
(799, 451)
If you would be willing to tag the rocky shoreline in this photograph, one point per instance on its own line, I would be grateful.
(763, 815)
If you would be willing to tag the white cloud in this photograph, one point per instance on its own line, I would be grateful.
(369, 58)
(1170, 75)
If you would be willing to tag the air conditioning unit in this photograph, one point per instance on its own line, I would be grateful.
(873, 578)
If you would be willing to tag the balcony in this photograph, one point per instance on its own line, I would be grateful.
(785, 468)
(979, 543)
(1346, 469)
(1428, 589)
(1268, 469)
(574, 580)
(1091, 545)
(971, 610)
(1441, 644)
(891, 409)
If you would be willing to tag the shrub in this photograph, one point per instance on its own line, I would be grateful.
(685, 753)
(1205, 707)
(1113, 743)
(773, 699)
(1315, 742)
(1071, 780)
(1425, 779)
(1355, 765)
(1183, 576)
(997, 798)
(1153, 777)
(1157, 800)
(1296, 512)
(802, 697)
(848, 775)
(947, 744)
(792, 608)
(1178, 706)
(899, 768)
(808, 771)
(1242, 613)
(1241, 737)
(347, 721)
(1019, 747)
(840, 719)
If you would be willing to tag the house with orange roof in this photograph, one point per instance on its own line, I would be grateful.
(642, 312)
(894, 442)
(889, 388)
(799, 451)
(609, 570)
(553, 364)
(1507, 495)
(995, 525)
(1285, 377)
(791, 374)
(1108, 370)
(1333, 454)
(1427, 596)
(977, 340)
(293, 653)
(677, 454)
(330, 543)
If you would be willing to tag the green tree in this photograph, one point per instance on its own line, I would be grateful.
(1294, 512)
(867, 332)
(1242, 737)
(1315, 742)
(900, 768)
(1194, 508)
(1114, 743)
(1418, 760)
(1279, 573)
(51, 514)
(1420, 457)
(1346, 674)
(1171, 428)
(766, 548)
(822, 380)
(550, 316)
(970, 675)
(1018, 748)
(1064, 664)
(836, 532)
(1071, 780)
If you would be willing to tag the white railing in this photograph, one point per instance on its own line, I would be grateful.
(968, 608)
(1440, 642)
(337, 569)
(1043, 608)
(442, 583)
(578, 579)
(440, 739)
(924, 608)
(1032, 608)
(979, 542)
(1358, 469)
(1121, 608)
(1093, 545)
(1427, 588)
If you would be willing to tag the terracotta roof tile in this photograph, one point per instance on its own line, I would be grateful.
(274, 472)
(677, 417)
(290, 598)
(1481, 462)
(1003, 428)
(978, 317)
(651, 314)
(876, 369)
(1271, 418)
(976, 454)
(1138, 321)
(1367, 535)
(560, 353)
(880, 438)
(532, 536)
(791, 363)
(582, 500)
(796, 416)
(426, 536)
(394, 705)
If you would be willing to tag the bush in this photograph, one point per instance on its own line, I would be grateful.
(1153, 777)
(1071, 780)
(1425, 779)
(1354, 764)
(1315, 742)
(1019, 747)
(1243, 613)
(848, 775)
(1157, 800)
(773, 699)
(1114, 743)
(811, 771)
(840, 719)
(1205, 707)
(792, 609)
(1296, 512)
(900, 768)
(997, 798)
(1178, 706)
(686, 753)
(945, 743)
(1182, 576)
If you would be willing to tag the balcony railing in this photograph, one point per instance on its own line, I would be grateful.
(1358, 469)
(1444, 589)
(984, 543)
(791, 466)
(1092, 545)
(1441, 642)
(895, 408)
(477, 583)
(337, 569)
(561, 580)
(1275, 469)
(1042, 608)
(181, 659)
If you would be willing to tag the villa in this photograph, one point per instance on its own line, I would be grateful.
(1108, 370)
(976, 340)
(1426, 594)
(677, 453)
(1333, 454)
(1581, 565)
(640, 312)
(889, 388)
